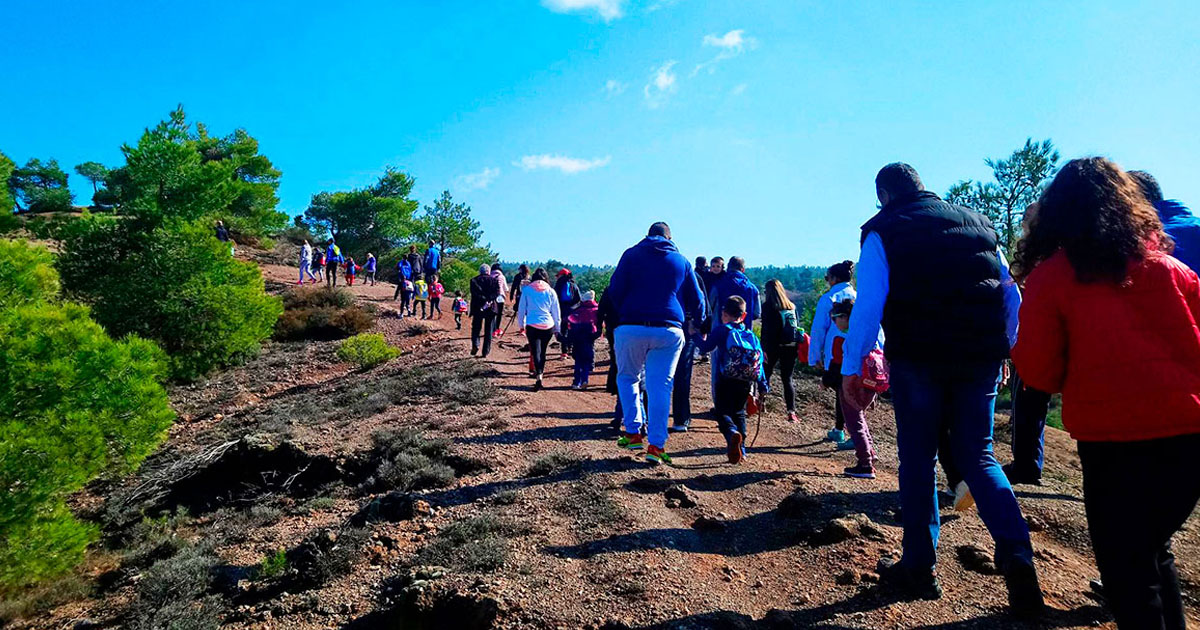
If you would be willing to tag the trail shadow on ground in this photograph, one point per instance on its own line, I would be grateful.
(469, 494)
(1049, 496)
(564, 433)
(704, 483)
(766, 531)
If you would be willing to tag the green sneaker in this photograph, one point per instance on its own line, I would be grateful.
(656, 456)
(632, 441)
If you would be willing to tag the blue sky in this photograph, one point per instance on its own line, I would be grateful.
(753, 127)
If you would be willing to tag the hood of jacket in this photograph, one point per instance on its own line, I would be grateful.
(657, 245)
(1171, 209)
(539, 285)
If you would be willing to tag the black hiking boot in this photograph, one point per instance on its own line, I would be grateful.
(914, 585)
(1024, 592)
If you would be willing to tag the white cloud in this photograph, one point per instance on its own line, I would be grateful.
(567, 165)
(614, 87)
(661, 4)
(731, 44)
(738, 89)
(609, 10)
(478, 181)
(661, 85)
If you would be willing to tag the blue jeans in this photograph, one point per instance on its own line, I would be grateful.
(681, 391)
(654, 351)
(959, 397)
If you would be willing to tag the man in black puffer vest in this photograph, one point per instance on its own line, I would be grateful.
(932, 275)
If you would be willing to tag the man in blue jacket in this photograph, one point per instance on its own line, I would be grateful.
(654, 291)
(1178, 222)
(734, 282)
(433, 258)
(930, 273)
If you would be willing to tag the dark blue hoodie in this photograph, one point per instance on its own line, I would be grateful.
(736, 283)
(1184, 228)
(655, 284)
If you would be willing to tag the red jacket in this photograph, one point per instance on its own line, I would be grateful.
(1126, 358)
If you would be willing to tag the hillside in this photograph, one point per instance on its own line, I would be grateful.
(490, 506)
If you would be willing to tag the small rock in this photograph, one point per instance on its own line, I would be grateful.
(797, 505)
(1036, 524)
(869, 577)
(709, 524)
(847, 577)
(680, 497)
(975, 558)
(845, 528)
(84, 624)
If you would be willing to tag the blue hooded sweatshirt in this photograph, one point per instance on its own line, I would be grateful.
(433, 259)
(1184, 228)
(405, 269)
(654, 284)
(736, 283)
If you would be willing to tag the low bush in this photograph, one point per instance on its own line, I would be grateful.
(174, 283)
(321, 313)
(475, 544)
(174, 593)
(273, 565)
(325, 555)
(405, 460)
(367, 350)
(27, 274)
(553, 462)
(315, 297)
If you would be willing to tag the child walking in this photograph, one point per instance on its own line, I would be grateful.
(460, 307)
(436, 290)
(318, 266)
(583, 331)
(737, 358)
(351, 271)
(420, 294)
(369, 269)
(832, 378)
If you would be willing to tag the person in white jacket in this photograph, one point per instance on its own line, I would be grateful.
(306, 263)
(840, 289)
(538, 316)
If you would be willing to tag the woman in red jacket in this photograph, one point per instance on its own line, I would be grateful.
(1110, 320)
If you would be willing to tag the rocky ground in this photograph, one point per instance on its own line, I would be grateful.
(486, 505)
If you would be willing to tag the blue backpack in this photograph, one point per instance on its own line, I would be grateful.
(742, 358)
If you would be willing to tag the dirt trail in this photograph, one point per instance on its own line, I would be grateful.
(604, 540)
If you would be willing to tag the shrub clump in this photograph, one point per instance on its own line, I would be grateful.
(77, 404)
(324, 555)
(321, 313)
(367, 350)
(174, 593)
(406, 460)
(174, 283)
(475, 544)
(553, 462)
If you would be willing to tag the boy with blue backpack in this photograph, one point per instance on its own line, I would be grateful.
(737, 360)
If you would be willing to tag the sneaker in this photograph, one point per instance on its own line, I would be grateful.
(656, 455)
(962, 497)
(1024, 592)
(678, 428)
(792, 417)
(845, 445)
(632, 441)
(734, 448)
(537, 385)
(922, 585)
(474, 351)
(860, 472)
(1010, 471)
(836, 435)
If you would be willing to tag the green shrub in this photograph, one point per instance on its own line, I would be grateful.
(475, 544)
(273, 565)
(77, 404)
(173, 594)
(553, 462)
(175, 284)
(316, 297)
(367, 350)
(26, 274)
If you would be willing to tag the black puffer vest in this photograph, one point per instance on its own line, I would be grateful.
(945, 299)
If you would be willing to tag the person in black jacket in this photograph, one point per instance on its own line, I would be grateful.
(780, 348)
(416, 261)
(681, 388)
(484, 291)
(518, 282)
(568, 299)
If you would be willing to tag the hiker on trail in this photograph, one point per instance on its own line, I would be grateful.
(1109, 320)
(498, 274)
(653, 291)
(306, 263)
(318, 265)
(223, 236)
(704, 277)
(681, 388)
(351, 271)
(583, 328)
(460, 307)
(734, 282)
(420, 295)
(831, 378)
(737, 358)
(484, 291)
(333, 257)
(369, 268)
(568, 299)
(852, 406)
(518, 283)
(780, 336)
(716, 271)
(838, 277)
(1178, 221)
(415, 261)
(537, 319)
(404, 286)
(433, 259)
(946, 341)
(436, 291)
(607, 314)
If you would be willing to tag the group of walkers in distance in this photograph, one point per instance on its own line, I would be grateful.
(319, 264)
(1094, 307)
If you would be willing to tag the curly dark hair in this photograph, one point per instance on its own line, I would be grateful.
(1096, 213)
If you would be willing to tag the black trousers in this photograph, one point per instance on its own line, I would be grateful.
(1137, 495)
(482, 323)
(785, 358)
(681, 388)
(539, 343)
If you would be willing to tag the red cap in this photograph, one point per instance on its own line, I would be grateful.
(562, 272)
